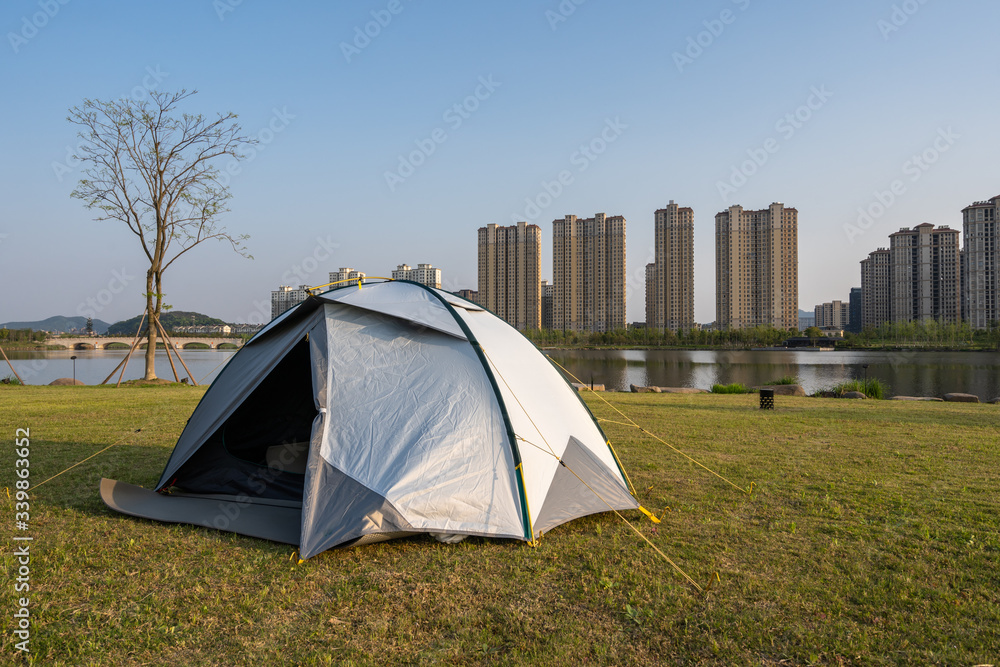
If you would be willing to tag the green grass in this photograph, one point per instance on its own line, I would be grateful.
(787, 379)
(871, 387)
(871, 537)
(734, 388)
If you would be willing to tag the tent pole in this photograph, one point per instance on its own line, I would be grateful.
(11, 366)
(125, 360)
(167, 338)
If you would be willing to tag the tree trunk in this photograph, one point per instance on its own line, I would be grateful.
(153, 316)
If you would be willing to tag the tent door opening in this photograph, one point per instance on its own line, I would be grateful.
(262, 448)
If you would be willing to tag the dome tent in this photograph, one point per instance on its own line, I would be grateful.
(380, 410)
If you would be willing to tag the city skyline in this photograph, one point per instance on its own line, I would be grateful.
(381, 142)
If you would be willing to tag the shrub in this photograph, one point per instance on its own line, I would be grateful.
(10, 379)
(788, 379)
(872, 388)
(734, 388)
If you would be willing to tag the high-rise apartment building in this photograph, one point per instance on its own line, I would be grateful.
(756, 267)
(510, 273)
(875, 289)
(424, 273)
(588, 267)
(650, 294)
(924, 274)
(470, 294)
(835, 314)
(285, 297)
(672, 270)
(981, 271)
(854, 311)
(548, 294)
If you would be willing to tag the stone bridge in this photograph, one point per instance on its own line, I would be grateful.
(102, 342)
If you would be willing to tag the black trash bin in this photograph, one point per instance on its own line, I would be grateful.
(767, 399)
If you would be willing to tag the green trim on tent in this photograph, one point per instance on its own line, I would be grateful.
(586, 407)
(529, 533)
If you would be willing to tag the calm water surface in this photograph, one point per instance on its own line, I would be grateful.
(92, 366)
(906, 373)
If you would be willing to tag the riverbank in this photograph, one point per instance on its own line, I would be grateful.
(748, 348)
(869, 538)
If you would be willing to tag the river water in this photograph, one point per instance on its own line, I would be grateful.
(92, 366)
(906, 373)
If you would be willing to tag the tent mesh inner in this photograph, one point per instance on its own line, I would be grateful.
(278, 415)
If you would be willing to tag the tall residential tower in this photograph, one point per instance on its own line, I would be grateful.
(670, 277)
(981, 273)
(588, 267)
(875, 301)
(756, 268)
(924, 275)
(510, 273)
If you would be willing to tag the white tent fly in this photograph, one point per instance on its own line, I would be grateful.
(381, 410)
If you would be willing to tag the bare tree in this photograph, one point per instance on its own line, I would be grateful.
(155, 169)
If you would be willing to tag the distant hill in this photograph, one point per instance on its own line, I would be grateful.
(169, 320)
(58, 323)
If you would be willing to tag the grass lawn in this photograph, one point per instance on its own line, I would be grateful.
(872, 537)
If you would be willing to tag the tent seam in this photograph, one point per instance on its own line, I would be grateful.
(529, 532)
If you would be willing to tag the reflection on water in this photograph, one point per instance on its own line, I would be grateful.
(906, 373)
(92, 366)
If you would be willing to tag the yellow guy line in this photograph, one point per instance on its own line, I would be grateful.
(653, 435)
(120, 441)
(622, 517)
(526, 414)
(360, 281)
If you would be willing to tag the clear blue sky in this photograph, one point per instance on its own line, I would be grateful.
(887, 81)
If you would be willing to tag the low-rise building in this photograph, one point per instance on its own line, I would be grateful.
(345, 274)
(424, 273)
(835, 314)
